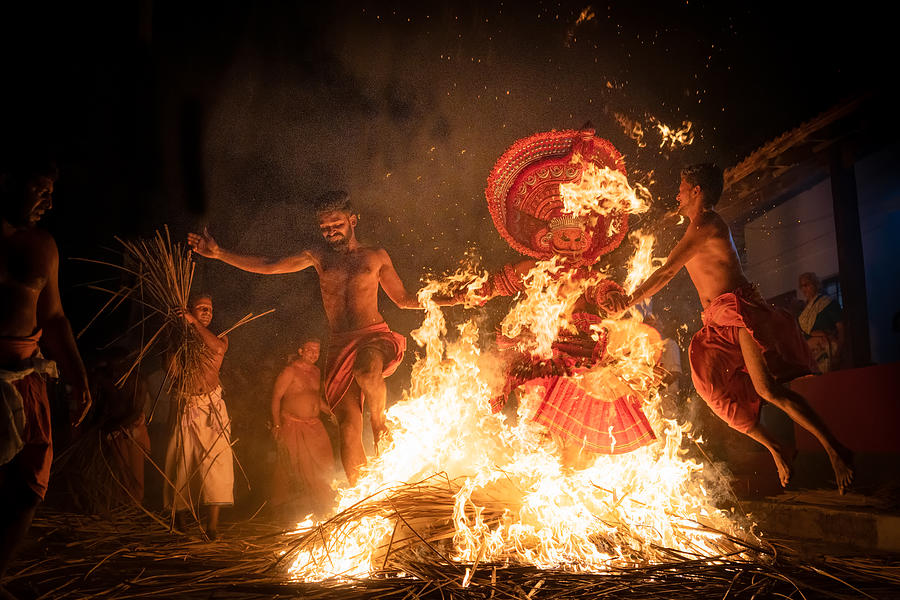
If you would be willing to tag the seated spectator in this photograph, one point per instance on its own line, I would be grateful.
(822, 324)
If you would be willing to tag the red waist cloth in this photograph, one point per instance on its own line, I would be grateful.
(13, 350)
(306, 461)
(607, 420)
(717, 364)
(342, 352)
(31, 466)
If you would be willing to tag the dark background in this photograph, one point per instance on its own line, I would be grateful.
(236, 115)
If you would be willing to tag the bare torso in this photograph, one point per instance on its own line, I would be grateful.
(302, 398)
(209, 374)
(349, 283)
(715, 267)
(26, 259)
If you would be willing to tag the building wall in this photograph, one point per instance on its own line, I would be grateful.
(798, 236)
(792, 238)
(878, 186)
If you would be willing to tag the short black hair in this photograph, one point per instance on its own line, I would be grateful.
(196, 297)
(710, 179)
(18, 170)
(335, 200)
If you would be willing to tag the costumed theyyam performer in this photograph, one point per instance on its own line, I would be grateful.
(524, 199)
(362, 350)
(747, 350)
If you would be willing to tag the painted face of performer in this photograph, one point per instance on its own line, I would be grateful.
(570, 241)
(309, 351)
(203, 311)
(36, 200)
(337, 228)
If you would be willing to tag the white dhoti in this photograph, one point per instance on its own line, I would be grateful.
(199, 454)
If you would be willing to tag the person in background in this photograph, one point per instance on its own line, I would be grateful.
(822, 323)
(304, 448)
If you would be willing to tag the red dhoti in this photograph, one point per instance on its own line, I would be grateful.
(27, 441)
(306, 460)
(717, 364)
(606, 419)
(130, 445)
(342, 352)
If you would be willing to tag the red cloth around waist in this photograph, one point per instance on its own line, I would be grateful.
(14, 350)
(717, 363)
(345, 346)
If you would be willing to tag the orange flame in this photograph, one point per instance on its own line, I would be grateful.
(513, 497)
(675, 137)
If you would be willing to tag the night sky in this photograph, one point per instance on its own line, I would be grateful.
(236, 116)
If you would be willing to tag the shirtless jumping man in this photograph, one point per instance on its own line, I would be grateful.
(296, 403)
(30, 310)
(362, 349)
(746, 350)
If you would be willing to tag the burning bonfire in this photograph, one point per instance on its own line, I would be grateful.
(462, 486)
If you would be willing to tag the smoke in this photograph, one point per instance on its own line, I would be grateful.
(408, 116)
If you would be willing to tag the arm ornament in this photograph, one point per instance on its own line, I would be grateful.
(598, 294)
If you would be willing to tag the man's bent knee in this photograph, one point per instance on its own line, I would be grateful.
(367, 376)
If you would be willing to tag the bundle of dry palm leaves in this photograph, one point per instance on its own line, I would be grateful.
(157, 274)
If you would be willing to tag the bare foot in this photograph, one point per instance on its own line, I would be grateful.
(841, 460)
(382, 439)
(783, 464)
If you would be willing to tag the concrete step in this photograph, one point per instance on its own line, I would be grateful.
(853, 520)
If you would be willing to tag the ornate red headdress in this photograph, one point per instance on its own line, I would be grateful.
(523, 191)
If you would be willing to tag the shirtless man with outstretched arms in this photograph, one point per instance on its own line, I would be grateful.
(362, 350)
(746, 350)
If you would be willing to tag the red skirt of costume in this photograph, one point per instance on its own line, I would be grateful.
(717, 364)
(31, 465)
(307, 460)
(610, 421)
(343, 349)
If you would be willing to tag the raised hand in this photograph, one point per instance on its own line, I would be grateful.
(615, 302)
(203, 244)
(185, 314)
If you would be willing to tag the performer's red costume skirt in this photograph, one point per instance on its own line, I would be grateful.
(717, 364)
(342, 352)
(608, 419)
